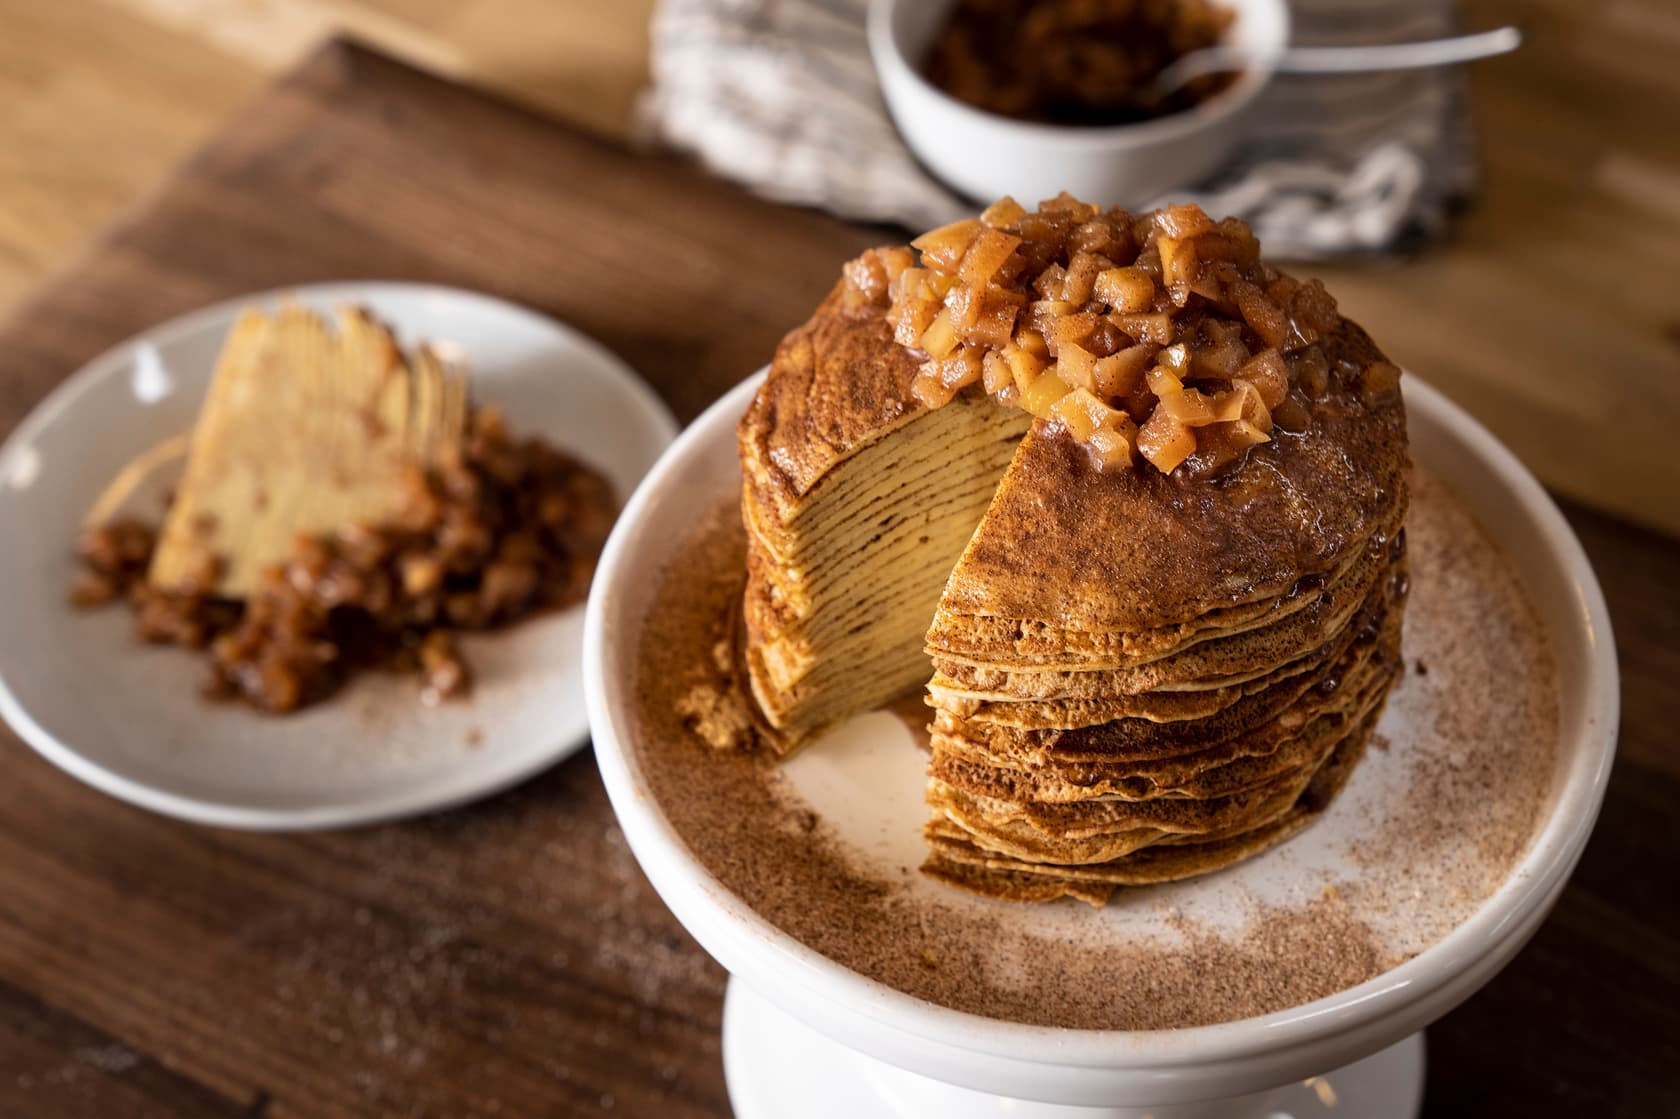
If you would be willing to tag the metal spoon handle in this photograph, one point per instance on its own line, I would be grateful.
(1343, 60)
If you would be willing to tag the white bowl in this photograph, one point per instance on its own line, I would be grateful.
(986, 156)
(1104, 1068)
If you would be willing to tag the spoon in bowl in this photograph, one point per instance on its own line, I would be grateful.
(1337, 60)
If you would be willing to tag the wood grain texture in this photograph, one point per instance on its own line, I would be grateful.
(508, 958)
(99, 97)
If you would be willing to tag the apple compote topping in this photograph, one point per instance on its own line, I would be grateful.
(511, 529)
(1160, 334)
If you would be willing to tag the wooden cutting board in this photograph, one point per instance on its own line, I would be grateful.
(508, 958)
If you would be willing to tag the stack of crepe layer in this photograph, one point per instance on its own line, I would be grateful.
(1070, 760)
(849, 542)
(306, 429)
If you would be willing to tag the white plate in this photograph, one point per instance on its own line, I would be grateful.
(129, 720)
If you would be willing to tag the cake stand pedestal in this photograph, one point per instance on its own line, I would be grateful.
(777, 1066)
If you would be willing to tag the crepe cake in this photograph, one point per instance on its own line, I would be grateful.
(306, 428)
(857, 502)
(1124, 501)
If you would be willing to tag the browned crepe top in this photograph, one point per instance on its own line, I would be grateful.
(837, 383)
(1071, 545)
(1067, 543)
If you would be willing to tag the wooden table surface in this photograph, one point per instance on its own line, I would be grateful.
(508, 958)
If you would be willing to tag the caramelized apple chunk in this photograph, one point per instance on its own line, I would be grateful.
(1161, 335)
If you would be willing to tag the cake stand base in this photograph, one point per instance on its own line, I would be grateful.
(776, 1067)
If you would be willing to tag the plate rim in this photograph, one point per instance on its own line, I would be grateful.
(471, 784)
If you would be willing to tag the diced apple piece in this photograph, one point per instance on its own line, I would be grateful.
(1213, 283)
(1032, 341)
(1242, 402)
(1215, 244)
(1082, 276)
(1192, 408)
(1065, 203)
(1050, 282)
(1043, 315)
(996, 323)
(1175, 360)
(1379, 381)
(1110, 448)
(963, 305)
(1071, 329)
(1129, 291)
(996, 296)
(940, 338)
(1225, 443)
(1165, 442)
(1004, 212)
(1238, 233)
(995, 373)
(895, 259)
(1049, 228)
(1076, 366)
(1230, 440)
(1149, 260)
(866, 275)
(943, 248)
(1138, 403)
(907, 287)
(1214, 330)
(910, 320)
(1262, 314)
(1080, 412)
(1156, 327)
(1163, 382)
(928, 390)
(1105, 338)
(1221, 359)
(1025, 365)
(1268, 373)
(1102, 235)
(1117, 374)
(1040, 396)
(1182, 221)
(961, 369)
(1309, 371)
(1315, 308)
(986, 255)
(1178, 265)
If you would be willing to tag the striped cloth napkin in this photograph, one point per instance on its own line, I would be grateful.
(781, 95)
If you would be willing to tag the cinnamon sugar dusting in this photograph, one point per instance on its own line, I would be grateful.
(1428, 828)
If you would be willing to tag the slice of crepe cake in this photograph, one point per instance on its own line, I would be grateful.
(306, 429)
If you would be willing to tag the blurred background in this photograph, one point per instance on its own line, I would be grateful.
(98, 98)
(1577, 207)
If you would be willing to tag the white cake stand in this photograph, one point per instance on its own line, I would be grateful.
(772, 1060)
(807, 1037)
